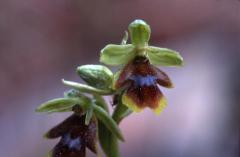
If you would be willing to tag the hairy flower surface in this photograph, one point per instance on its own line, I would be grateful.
(75, 137)
(140, 81)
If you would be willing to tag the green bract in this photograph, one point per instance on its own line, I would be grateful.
(60, 105)
(86, 88)
(140, 35)
(97, 76)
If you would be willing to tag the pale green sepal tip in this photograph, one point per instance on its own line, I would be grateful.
(98, 76)
(140, 33)
(117, 54)
(164, 57)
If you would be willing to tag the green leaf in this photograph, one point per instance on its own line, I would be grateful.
(164, 56)
(117, 54)
(97, 76)
(86, 88)
(59, 105)
(105, 118)
(140, 33)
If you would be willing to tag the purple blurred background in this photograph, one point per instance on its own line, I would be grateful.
(43, 41)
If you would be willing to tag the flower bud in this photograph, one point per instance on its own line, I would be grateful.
(96, 75)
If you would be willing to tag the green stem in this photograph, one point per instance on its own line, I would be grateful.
(120, 112)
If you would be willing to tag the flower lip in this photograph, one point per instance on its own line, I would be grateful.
(75, 137)
(140, 80)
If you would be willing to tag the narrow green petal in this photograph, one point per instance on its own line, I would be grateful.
(89, 114)
(125, 38)
(117, 54)
(58, 105)
(164, 56)
(115, 79)
(104, 117)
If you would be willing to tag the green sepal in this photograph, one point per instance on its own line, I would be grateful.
(60, 105)
(164, 56)
(107, 120)
(117, 54)
(140, 33)
(86, 88)
(97, 76)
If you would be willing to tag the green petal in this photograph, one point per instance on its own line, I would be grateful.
(105, 118)
(117, 54)
(59, 105)
(140, 33)
(164, 56)
(97, 76)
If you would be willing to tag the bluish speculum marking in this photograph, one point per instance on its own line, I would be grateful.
(72, 143)
(140, 80)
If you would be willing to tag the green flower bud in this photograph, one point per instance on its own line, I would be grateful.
(96, 75)
(140, 33)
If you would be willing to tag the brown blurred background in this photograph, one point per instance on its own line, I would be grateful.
(43, 41)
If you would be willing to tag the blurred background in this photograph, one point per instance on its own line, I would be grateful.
(43, 41)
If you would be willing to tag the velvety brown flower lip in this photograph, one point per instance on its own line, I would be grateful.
(139, 78)
(75, 137)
